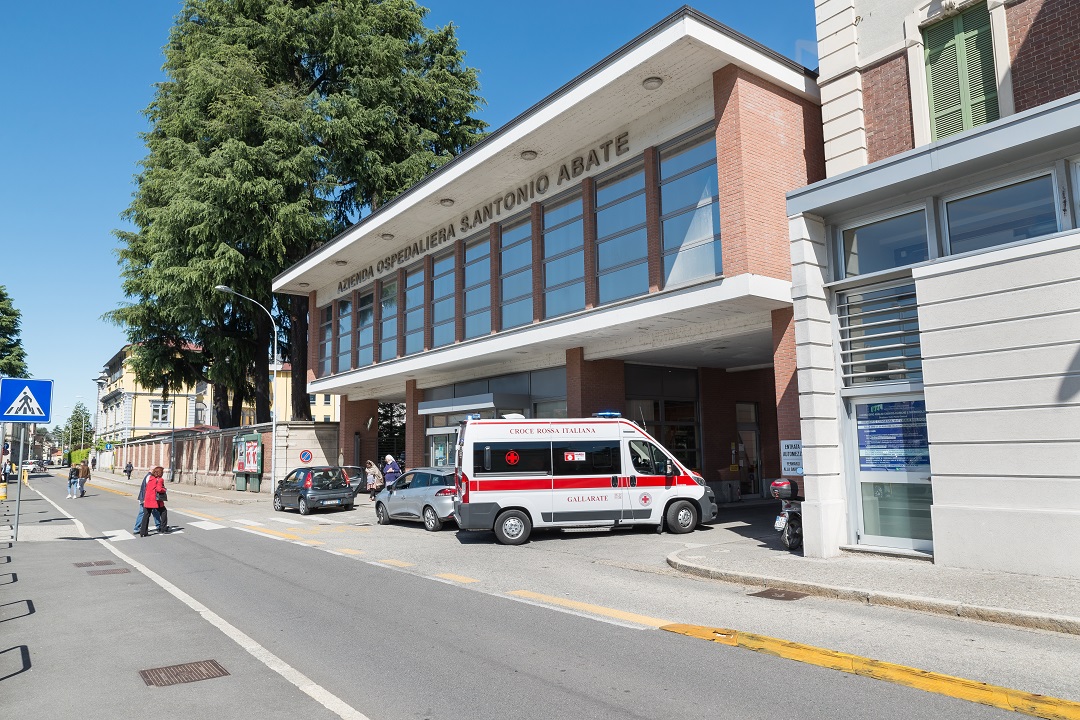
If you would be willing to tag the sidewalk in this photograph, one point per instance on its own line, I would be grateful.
(748, 555)
(226, 495)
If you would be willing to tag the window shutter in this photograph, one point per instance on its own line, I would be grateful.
(960, 72)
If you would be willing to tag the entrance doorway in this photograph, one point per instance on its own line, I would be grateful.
(441, 448)
(749, 450)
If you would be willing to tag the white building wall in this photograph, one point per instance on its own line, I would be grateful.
(1000, 336)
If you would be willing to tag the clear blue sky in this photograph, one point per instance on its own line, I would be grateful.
(78, 75)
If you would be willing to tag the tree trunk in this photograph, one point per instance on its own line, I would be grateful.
(221, 407)
(298, 356)
(238, 408)
(263, 340)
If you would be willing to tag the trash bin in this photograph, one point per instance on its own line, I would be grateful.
(254, 484)
(241, 481)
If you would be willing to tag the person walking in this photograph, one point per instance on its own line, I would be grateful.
(84, 477)
(391, 470)
(142, 508)
(128, 469)
(93, 464)
(154, 499)
(374, 479)
(73, 481)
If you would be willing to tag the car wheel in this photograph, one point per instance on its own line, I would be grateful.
(381, 514)
(432, 523)
(681, 517)
(513, 527)
(277, 504)
(348, 506)
(304, 509)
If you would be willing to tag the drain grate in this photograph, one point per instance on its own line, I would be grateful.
(773, 594)
(110, 571)
(95, 562)
(186, 673)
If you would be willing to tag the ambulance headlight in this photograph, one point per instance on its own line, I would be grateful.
(698, 479)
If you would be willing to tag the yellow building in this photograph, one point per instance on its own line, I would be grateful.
(127, 410)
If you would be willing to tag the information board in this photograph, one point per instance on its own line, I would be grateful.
(247, 454)
(892, 436)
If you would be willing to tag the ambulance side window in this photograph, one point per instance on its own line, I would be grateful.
(586, 458)
(512, 458)
(641, 457)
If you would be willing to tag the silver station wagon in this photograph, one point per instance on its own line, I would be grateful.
(422, 494)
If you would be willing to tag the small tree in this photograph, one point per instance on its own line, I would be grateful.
(12, 355)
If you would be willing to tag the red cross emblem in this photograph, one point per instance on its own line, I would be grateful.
(512, 457)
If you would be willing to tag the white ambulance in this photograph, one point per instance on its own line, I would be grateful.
(517, 474)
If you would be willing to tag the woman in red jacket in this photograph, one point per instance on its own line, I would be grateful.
(154, 485)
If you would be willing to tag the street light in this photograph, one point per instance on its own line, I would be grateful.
(273, 387)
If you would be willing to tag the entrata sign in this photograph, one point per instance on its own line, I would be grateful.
(25, 400)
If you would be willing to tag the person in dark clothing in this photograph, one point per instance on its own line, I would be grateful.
(391, 470)
(73, 481)
(128, 469)
(142, 508)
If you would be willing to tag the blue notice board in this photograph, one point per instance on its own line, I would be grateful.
(892, 436)
(25, 400)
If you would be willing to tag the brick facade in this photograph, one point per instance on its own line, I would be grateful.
(1044, 48)
(415, 437)
(353, 419)
(887, 108)
(768, 141)
(719, 391)
(593, 385)
(785, 377)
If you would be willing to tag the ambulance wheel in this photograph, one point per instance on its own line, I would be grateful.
(791, 535)
(512, 527)
(381, 514)
(432, 523)
(681, 517)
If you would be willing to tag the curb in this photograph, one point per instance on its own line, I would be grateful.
(1003, 616)
(202, 496)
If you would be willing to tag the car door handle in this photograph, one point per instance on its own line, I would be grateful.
(633, 481)
(614, 481)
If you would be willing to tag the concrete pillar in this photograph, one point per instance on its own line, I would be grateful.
(415, 439)
(593, 385)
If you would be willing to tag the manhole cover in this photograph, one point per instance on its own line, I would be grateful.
(95, 562)
(110, 571)
(773, 594)
(186, 673)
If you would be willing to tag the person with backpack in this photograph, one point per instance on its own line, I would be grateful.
(73, 481)
(128, 469)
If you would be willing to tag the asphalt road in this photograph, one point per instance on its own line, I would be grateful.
(394, 622)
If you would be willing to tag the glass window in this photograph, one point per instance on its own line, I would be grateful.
(365, 330)
(690, 211)
(344, 335)
(586, 458)
(624, 283)
(564, 259)
(444, 305)
(1004, 215)
(550, 409)
(885, 244)
(388, 300)
(326, 399)
(622, 245)
(414, 311)
(326, 340)
(516, 284)
(477, 288)
(506, 458)
(879, 335)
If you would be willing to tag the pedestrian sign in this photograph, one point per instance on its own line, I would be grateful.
(25, 400)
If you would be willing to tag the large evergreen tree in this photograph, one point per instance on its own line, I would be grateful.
(12, 355)
(279, 123)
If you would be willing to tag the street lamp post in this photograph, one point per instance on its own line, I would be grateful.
(273, 387)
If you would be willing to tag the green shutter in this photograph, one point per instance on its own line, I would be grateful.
(960, 75)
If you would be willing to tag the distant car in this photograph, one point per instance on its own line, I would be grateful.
(37, 467)
(311, 488)
(422, 494)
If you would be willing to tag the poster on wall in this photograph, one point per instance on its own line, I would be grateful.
(247, 454)
(892, 436)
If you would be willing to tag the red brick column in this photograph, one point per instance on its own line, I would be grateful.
(415, 440)
(353, 419)
(588, 208)
(788, 417)
(593, 385)
(1043, 50)
(652, 219)
(495, 236)
(768, 141)
(537, 217)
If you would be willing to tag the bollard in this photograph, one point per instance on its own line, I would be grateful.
(3, 491)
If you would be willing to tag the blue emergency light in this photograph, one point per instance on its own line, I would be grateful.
(608, 414)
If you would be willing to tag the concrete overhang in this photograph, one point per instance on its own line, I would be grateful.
(684, 50)
(1047, 130)
(723, 323)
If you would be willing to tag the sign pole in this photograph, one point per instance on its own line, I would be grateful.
(18, 486)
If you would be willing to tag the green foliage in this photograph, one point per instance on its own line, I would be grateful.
(12, 355)
(78, 430)
(280, 122)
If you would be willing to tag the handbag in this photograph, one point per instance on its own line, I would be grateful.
(161, 496)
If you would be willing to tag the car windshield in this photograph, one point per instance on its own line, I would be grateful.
(327, 479)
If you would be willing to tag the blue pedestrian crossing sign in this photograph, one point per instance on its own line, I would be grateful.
(25, 400)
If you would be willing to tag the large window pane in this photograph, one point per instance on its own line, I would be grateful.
(414, 296)
(613, 190)
(561, 213)
(1005, 215)
(517, 285)
(443, 310)
(565, 269)
(442, 286)
(442, 334)
(517, 313)
(478, 324)
(388, 350)
(513, 233)
(478, 250)
(414, 343)
(620, 216)
(564, 300)
(693, 263)
(565, 238)
(478, 299)
(692, 227)
(414, 320)
(693, 189)
(885, 244)
(673, 162)
(517, 257)
(630, 281)
(477, 273)
(623, 249)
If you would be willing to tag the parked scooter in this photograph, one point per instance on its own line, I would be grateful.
(789, 521)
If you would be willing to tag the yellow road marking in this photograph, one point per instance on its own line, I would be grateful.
(349, 551)
(202, 515)
(1019, 701)
(457, 578)
(102, 487)
(397, 563)
(593, 609)
(275, 533)
(313, 542)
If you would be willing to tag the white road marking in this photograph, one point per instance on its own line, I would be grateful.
(207, 525)
(330, 522)
(287, 521)
(303, 683)
(116, 535)
(247, 522)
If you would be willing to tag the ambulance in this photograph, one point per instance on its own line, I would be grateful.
(515, 474)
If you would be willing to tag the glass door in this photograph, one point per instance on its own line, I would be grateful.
(893, 493)
(440, 448)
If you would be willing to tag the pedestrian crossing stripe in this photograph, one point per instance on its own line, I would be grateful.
(25, 405)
